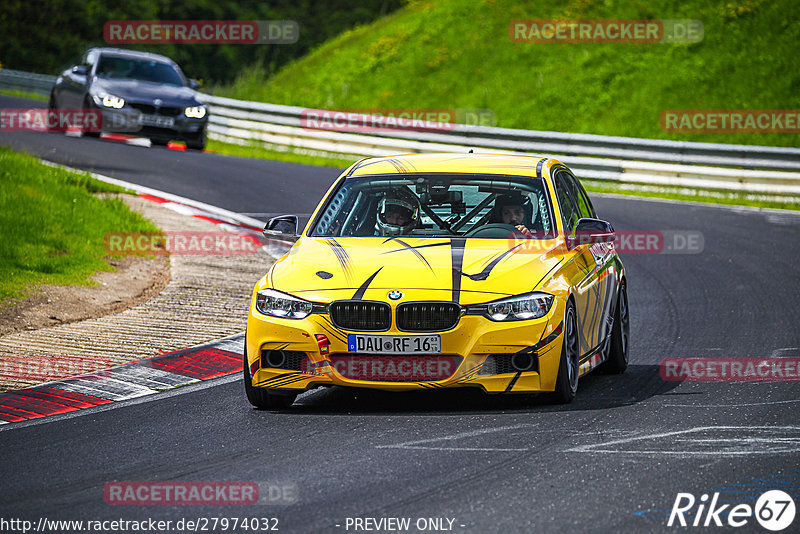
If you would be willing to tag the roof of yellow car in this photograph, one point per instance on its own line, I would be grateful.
(450, 162)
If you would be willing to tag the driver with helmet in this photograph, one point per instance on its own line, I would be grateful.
(398, 213)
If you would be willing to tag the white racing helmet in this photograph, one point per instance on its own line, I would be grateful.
(398, 213)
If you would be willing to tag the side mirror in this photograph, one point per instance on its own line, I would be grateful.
(284, 224)
(81, 70)
(194, 84)
(590, 231)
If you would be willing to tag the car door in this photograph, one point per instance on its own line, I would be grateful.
(589, 261)
(599, 283)
(75, 85)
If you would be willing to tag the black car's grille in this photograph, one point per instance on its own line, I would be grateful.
(361, 315)
(427, 316)
(150, 109)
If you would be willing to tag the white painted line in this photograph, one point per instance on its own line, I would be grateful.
(105, 388)
(473, 433)
(766, 403)
(234, 343)
(478, 449)
(191, 388)
(784, 446)
(150, 377)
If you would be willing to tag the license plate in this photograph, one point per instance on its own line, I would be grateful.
(394, 344)
(157, 120)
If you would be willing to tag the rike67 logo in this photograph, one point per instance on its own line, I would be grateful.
(774, 510)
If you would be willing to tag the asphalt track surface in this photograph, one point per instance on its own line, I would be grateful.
(613, 460)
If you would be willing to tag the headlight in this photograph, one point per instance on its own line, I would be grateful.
(519, 308)
(196, 112)
(277, 304)
(111, 101)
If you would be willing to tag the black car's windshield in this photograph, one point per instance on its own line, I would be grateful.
(428, 205)
(111, 67)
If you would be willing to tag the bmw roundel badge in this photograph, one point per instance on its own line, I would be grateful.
(395, 295)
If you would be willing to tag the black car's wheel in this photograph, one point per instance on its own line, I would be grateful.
(618, 349)
(262, 398)
(199, 143)
(87, 105)
(52, 107)
(567, 380)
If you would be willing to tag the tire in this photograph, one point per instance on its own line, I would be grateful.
(52, 106)
(159, 142)
(567, 380)
(84, 133)
(199, 143)
(618, 348)
(262, 398)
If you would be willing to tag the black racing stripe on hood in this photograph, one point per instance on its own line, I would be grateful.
(457, 253)
(359, 294)
(342, 256)
(547, 274)
(417, 253)
(484, 274)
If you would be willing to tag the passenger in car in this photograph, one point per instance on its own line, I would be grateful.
(511, 209)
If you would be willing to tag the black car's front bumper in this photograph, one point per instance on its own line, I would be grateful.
(156, 125)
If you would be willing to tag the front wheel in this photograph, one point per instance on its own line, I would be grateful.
(618, 350)
(198, 143)
(89, 132)
(262, 398)
(567, 380)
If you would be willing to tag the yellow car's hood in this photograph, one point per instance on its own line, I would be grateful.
(468, 271)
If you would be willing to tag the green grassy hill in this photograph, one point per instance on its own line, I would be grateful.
(458, 54)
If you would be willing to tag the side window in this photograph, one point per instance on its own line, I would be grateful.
(90, 58)
(569, 212)
(578, 195)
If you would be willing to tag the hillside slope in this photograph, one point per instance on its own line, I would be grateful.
(458, 54)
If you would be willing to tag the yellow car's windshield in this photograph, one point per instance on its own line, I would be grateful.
(437, 205)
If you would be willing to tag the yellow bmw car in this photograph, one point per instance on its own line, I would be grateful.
(441, 271)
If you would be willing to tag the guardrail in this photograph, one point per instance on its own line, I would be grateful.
(747, 169)
(27, 82)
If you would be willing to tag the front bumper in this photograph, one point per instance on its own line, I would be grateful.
(480, 349)
(129, 120)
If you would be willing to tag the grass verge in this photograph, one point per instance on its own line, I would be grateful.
(457, 54)
(53, 227)
(23, 94)
(260, 152)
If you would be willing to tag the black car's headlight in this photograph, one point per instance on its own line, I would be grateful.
(276, 304)
(111, 101)
(195, 112)
(518, 308)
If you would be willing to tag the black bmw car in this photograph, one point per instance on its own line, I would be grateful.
(139, 93)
